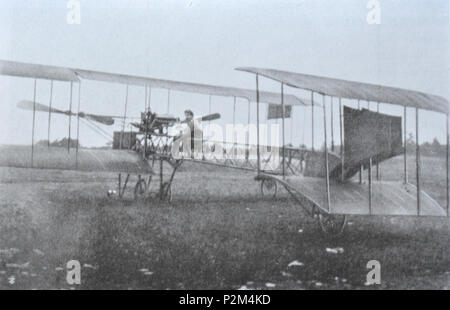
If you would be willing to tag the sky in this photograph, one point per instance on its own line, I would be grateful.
(203, 41)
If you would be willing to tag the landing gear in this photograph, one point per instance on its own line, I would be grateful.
(166, 193)
(269, 188)
(332, 224)
(140, 190)
(153, 161)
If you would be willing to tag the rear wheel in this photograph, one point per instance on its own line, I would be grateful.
(140, 189)
(332, 224)
(269, 188)
(167, 192)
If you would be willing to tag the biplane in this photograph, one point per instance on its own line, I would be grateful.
(367, 139)
(126, 157)
(321, 181)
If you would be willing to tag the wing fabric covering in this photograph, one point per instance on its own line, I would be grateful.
(355, 90)
(100, 160)
(19, 69)
(27, 70)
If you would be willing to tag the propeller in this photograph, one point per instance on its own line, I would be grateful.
(210, 117)
(30, 105)
(167, 118)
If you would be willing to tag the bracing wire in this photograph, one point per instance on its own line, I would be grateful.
(99, 128)
(102, 134)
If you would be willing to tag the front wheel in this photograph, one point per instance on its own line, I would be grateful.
(332, 224)
(269, 188)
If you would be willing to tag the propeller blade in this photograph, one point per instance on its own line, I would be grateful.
(211, 117)
(166, 118)
(105, 120)
(28, 105)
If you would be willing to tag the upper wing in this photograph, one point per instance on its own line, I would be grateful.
(73, 75)
(19, 69)
(355, 90)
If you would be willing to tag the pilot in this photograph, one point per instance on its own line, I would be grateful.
(149, 117)
(189, 119)
(193, 135)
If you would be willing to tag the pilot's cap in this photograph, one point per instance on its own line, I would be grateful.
(189, 112)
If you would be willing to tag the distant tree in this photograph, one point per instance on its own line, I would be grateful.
(59, 143)
(410, 143)
(436, 147)
(42, 143)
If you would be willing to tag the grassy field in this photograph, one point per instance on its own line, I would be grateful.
(218, 234)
